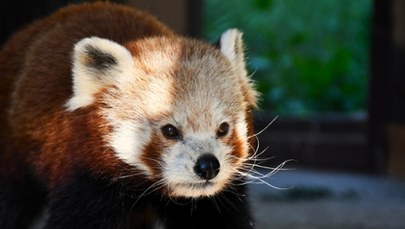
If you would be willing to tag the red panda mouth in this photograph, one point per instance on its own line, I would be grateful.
(196, 189)
(200, 185)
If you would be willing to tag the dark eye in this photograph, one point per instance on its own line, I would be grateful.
(223, 129)
(170, 132)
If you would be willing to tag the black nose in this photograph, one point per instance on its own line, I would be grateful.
(207, 166)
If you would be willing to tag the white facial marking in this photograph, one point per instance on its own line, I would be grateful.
(128, 141)
(242, 133)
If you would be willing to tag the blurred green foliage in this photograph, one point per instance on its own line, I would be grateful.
(308, 57)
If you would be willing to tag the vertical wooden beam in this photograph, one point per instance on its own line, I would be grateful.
(387, 87)
(396, 147)
(183, 16)
(195, 16)
(396, 126)
(381, 71)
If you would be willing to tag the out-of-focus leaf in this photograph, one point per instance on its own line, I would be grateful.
(307, 56)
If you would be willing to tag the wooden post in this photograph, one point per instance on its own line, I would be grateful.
(396, 128)
(183, 16)
(380, 72)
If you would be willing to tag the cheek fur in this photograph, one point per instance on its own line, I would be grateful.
(239, 151)
(152, 155)
(250, 130)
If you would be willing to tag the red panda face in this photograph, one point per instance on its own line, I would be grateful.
(201, 160)
(202, 139)
(177, 108)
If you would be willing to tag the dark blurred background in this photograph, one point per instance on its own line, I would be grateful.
(332, 72)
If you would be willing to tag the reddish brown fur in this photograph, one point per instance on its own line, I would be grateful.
(251, 139)
(237, 145)
(35, 68)
(151, 155)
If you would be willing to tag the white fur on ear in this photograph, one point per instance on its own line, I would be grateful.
(96, 62)
(231, 46)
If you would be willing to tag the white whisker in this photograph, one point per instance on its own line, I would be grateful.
(129, 175)
(252, 168)
(153, 187)
(261, 181)
(265, 128)
(256, 155)
(272, 168)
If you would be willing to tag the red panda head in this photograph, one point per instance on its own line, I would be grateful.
(177, 108)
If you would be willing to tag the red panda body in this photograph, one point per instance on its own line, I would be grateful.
(88, 95)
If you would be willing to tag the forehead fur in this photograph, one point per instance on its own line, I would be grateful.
(188, 80)
(185, 75)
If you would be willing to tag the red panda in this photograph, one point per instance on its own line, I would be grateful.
(111, 120)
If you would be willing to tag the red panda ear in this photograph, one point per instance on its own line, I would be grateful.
(231, 46)
(97, 62)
